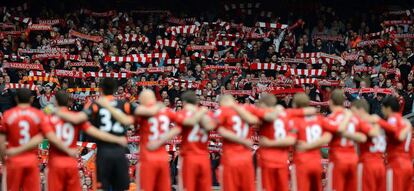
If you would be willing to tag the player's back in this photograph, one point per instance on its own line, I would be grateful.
(342, 148)
(20, 124)
(230, 120)
(308, 129)
(275, 130)
(101, 118)
(373, 148)
(194, 138)
(395, 147)
(67, 133)
(151, 129)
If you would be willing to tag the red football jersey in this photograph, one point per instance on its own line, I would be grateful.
(20, 124)
(374, 148)
(151, 129)
(342, 148)
(278, 129)
(393, 127)
(194, 139)
(66, 132)
(229, 119)
(309, 129)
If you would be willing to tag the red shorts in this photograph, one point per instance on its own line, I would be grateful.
(371, 176)
(153, 176)
(399, 175)
(195, 173)
(62, 175)
(237, 175)
(307, 176)
(273, 178)
(21, 174)
(342, 175)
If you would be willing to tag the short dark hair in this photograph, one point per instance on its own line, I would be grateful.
(108, 86)
(23, 95)
(361, 103)
(62, 98)
(189, 97)
(301, 100)
(392, 102)
(268, 99)
(338, 97)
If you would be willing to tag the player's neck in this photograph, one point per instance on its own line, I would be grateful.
(189, 106)
(337, 108)
(24, 105)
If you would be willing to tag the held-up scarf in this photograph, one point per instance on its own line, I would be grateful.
(133, 38)
(338, 38)
(20, 65)
(52, 21)
(93, 38)
(201, 47)
(267, 66)
(62, 42)
(39, 27)
(31, 87)
(368, 90)
(97, 14)
(71, 90)
(83, 64)
(398, 22)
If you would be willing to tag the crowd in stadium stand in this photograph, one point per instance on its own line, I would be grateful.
(368, 55)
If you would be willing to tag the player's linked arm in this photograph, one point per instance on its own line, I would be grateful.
(323, 140)
(207, 123)
(2, 146)
(285, 142)
(104, 136)
(33, 143)
(245, 115)
(60, 145)
(154, 145)
(74, 118)
(402, 136)
(118, 115)
(229, 135)
(191, 121)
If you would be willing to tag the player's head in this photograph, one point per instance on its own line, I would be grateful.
(300, 100)
(189, 97)
(23, 96)
(359, 106)
(267, 100)
(337, 98)
(390, 105)
(62, 98)
(108, 86)
(147, 97)
(226, 99)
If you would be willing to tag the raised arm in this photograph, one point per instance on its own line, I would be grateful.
(227, 134)
(104, 136)
(357, 136)
(245, 115)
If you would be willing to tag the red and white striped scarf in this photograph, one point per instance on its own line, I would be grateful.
(71, 90)
(338, 38)
(108, 75)
(180, 21)
(221, 35)
(165, 42)
(302, 81)
(68, 73)
(185, 29)
(182, 83)
(135, 57)
(153, 70)
(380, 33)
(223, 43)
(39, 27)
(272, 25)
(407, 36)
(201, 47)
(267, 66)
(210, 67)
(398, 22)
(97, 14)
(31, 87)
(379, 42)
(234, 6)
(307, 72)
(133, 38)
